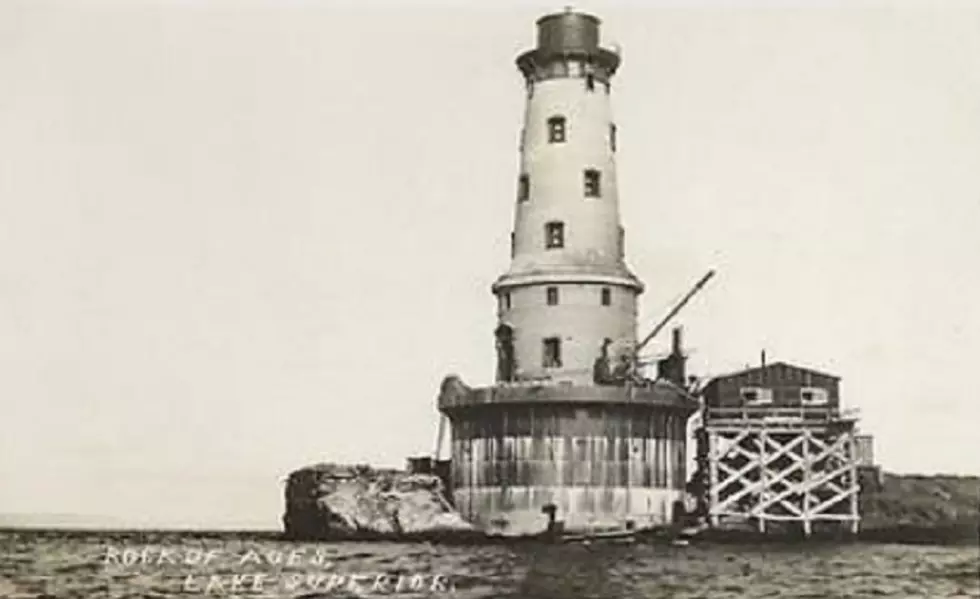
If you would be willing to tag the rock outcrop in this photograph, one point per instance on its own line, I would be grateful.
(331, 501)
(907, 508)
(894, 508)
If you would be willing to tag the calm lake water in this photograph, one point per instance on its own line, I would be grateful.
(167, 565)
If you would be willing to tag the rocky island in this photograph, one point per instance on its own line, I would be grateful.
(328, 502)
(918, 508)
(339, 502)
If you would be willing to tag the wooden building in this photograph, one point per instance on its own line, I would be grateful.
(775, 447)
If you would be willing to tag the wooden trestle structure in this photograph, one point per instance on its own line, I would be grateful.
(788, 465)
(776, 451)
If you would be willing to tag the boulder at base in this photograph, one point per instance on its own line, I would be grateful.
(331, 501)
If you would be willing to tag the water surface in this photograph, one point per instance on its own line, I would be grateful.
(164, 565)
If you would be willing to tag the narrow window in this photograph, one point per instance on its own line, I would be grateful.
(554, 235)
(813, 396)
(552, 296)
(622, 243)
(606, 296)
(513, 248)
(520, 142)
(556, 130)
(612, 137)
(523, 188)
(505, 300)
(593, 187)
(590, 82)
(756, 395)
(552, 353)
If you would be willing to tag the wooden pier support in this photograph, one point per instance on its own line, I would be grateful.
(780, 471)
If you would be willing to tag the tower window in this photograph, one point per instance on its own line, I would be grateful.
(622, 243)
(593, 187)
(513, 246)
(554, 235)
(552, 296)
(590, 82)
(612, 137)
(606, 296)
(505, 300)
(523, 188)
(552, 353)
(556, 130)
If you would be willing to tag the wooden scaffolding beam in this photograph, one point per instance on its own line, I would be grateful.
(781, 474)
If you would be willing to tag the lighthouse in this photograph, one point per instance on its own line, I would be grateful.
(568, 288)
(569, 430)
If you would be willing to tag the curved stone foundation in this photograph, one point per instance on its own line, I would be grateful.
(599, 464)
(519, 511)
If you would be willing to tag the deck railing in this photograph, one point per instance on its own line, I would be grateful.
(780, 414)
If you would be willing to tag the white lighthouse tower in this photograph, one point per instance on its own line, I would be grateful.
(568, 434)
(568, 289)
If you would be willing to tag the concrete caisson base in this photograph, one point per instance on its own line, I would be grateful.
(604, 457)
(579, 508)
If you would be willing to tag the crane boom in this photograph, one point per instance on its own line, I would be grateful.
(660, 325)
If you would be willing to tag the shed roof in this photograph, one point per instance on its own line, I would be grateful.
(768, 367)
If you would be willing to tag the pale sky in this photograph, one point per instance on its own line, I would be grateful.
(240, 237)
